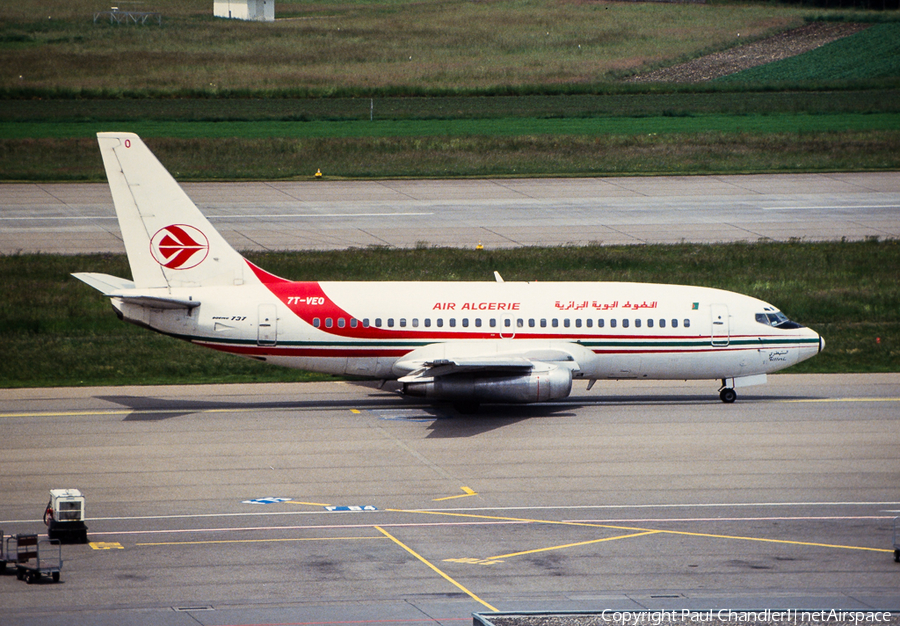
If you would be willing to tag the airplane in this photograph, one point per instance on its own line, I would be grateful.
(465, 343)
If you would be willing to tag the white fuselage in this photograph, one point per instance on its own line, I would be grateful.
(370, 329)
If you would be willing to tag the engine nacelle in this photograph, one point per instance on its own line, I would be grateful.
(551, 384)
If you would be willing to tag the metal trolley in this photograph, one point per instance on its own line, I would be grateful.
(897, 539)
(33, 558)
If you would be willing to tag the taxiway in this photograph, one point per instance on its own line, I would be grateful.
(497, 213)
(342, 503)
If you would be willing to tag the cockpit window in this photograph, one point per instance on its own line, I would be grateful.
(777, 319)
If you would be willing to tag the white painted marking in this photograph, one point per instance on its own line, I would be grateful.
(238, 216)
(573, 507)
(830, 208)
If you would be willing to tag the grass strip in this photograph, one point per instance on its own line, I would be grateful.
(57, 331)
(35, 107)
(472, 156)
(505, 127)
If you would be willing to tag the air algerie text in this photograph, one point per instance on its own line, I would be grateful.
(476, 306)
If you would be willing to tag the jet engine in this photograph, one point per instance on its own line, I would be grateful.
(536, 386)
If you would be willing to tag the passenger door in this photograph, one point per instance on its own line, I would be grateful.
(720, 334)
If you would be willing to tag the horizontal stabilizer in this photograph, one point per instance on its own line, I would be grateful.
(104, 283)
(114, 287)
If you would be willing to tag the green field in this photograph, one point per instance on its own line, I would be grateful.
(872, 53)
(436, 89)
(327, 48)
(61, 332)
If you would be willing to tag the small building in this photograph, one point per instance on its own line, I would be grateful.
(254, 10)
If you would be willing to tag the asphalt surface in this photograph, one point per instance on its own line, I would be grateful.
(75, 218)
(210, 504)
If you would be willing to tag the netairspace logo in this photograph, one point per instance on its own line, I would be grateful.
(787, 617)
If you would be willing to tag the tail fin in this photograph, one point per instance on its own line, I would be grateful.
(168, 241)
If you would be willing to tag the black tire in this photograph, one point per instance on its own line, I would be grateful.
(728, 395)
(56, 577)
(897, 556)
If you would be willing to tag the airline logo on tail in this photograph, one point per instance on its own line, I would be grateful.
(179, 247)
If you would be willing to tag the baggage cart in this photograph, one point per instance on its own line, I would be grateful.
(897, 539)
(34, 558)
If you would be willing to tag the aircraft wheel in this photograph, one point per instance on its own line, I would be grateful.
(728, 395)
(56, 577)
(897, 556)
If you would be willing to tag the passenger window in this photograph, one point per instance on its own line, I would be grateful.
(674, 323)
(567, 322)
(465, 322)
(662, 323)
(452, 322)
(637, 323)
(365, 322)
(520, 323)
(612, 323)
(477, 322)
(402, 322)
(687, 323)
(650, 323)
(531, 323)
(493, 322)
(507, 323)
(440, 322)
(341, 322)
(329, 322)
(589, 322)
(316, 322)
(427, 322)
(625, 323)
(601, 323)
(354, 322)
(544, 323)
(390, 322)
(415, 322)
(377, 322)
(578, 323)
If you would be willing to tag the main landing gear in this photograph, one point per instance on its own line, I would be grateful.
(727, 394)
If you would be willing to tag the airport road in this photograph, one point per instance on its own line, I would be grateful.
(634, 495)
(499, 213)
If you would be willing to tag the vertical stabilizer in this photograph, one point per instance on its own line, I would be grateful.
(168, 241)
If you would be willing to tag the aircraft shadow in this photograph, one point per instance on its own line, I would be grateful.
(150, 409)
(445, 421)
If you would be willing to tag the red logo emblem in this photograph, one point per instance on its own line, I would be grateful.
(179, 247)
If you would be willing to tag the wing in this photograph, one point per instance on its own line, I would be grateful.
(422, 370)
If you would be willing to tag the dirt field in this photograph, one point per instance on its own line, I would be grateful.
(781, 46)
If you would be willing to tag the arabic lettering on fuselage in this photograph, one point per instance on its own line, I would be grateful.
(603, 306)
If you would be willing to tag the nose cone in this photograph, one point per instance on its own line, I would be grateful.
(821, 343)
